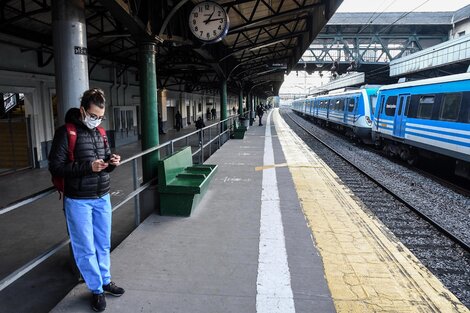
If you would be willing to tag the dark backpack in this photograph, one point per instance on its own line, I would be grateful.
(58, 181)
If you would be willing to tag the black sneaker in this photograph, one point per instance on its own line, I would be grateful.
(112, 289)
(98, 302)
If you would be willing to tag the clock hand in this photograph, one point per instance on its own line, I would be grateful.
(210, 16)
(216, 19)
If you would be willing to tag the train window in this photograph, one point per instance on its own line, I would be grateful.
(400, 106)
(341, 105)
(373, 103)
(351, 104)
(407, 108)
(391, 106)
(425, 107)
(381, 107)
(450, 108)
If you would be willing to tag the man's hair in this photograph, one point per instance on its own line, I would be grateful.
(93, 96)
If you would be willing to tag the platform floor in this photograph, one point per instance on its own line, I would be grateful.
(276, 232)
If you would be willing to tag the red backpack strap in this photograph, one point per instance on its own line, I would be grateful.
(103, 134)
(72, 138)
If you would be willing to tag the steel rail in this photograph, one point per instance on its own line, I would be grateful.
(427, 218)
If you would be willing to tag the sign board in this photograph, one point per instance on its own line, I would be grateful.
(10, 100)
(80, 50)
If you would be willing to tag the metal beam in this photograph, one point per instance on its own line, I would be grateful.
(121, 11)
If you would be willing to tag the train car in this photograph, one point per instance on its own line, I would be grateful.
(429, 117)
(351, 111)
(298, 105)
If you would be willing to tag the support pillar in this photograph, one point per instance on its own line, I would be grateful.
(149, 108)
(70, 54)
(240, 102)
(248, 108)
(223, 102)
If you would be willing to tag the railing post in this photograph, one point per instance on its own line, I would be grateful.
(136, 198)
(172, 147)
(210, 145)
(201, 143)
(218, 140)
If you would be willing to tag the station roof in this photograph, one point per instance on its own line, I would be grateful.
(396, 18)
(462, 14)
(264, 41)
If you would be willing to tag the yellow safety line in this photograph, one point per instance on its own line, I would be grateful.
(367, 268)
(265, 167)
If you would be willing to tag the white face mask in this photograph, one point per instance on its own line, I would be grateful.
(91, 123)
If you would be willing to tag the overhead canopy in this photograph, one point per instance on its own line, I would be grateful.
(265, 40)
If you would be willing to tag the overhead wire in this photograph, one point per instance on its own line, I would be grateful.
(370, 21)
(402, 16)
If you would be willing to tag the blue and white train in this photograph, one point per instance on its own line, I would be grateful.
(429, 117)
(426, 117)
(351, 111)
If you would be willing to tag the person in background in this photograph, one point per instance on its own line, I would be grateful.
(259, 112)
(179, 121)
(160, 125)
(200, 125)
(87, 202)
(214, 113)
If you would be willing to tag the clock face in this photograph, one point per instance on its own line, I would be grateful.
(208, 21)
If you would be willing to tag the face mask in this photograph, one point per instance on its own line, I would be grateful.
(91, 123)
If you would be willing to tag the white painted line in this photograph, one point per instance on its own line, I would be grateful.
(273, 286)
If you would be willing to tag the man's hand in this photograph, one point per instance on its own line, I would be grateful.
(98, 165)
(115, 160)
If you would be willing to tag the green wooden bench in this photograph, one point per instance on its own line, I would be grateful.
(238, 130)
(181, 184)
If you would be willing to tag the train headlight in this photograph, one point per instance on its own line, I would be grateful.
(368, 120)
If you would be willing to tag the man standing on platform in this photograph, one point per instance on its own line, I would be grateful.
(213, 112)
(85, 172)
(259, 112)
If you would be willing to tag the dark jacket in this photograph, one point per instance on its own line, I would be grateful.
(80, 180)
(200, 124)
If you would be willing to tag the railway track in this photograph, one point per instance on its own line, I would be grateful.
(436, 224)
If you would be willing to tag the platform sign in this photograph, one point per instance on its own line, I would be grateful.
(10, 100)
(80, 50)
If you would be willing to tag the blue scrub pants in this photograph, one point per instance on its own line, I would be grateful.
(89, 223)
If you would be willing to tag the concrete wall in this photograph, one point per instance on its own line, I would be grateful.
(21, 73)
(463, 26)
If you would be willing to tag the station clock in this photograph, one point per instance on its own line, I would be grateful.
(208, 22)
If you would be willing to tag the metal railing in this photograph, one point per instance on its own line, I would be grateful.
(217, 133)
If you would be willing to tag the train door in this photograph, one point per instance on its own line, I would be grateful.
(400, 116)
(349, 110)
(328, 109)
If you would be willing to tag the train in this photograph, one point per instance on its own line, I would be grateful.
(423, 118)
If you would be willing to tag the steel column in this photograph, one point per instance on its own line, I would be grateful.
(240, 102)
(223, 102)
(148, 103)
(248, 107)
(70, 54)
